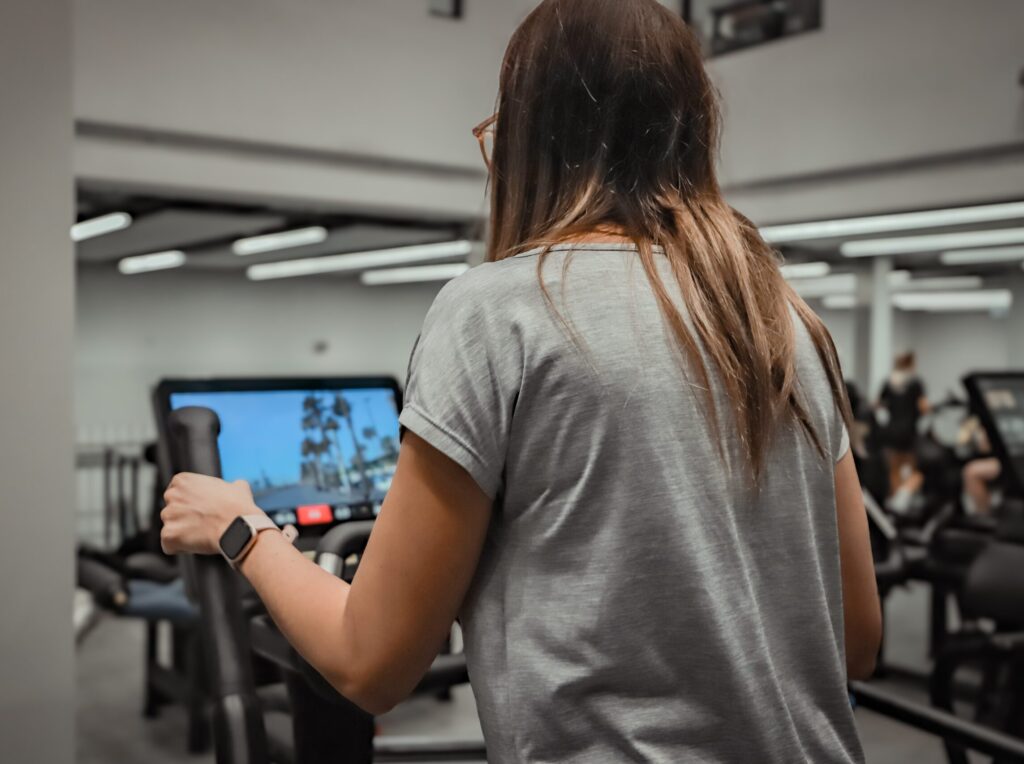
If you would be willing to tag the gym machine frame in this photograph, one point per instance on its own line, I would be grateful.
(326, 726)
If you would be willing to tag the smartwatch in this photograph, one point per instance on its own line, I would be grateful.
(241, 535)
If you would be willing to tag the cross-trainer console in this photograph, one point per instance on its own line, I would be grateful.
(998, 400)
(316, 452)
(319, 454)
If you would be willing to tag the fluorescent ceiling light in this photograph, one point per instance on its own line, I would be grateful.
(89, 229)
(903, 281)
(990, 255)
(840, 283)
(941, 302)
(157, 261)
(845, 284)
(903, 221)
(805, 270)
(443, 272)
(940, 241)
(270, 242)
(359, 261)
(940, 283)
(840, 301)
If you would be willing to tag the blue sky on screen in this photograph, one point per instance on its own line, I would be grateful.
(261, 431)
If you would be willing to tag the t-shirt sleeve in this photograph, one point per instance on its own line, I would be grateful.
(844, 442)
(462, 385)
(840, 434)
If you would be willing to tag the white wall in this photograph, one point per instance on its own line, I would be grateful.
(36, 319)
(889, 105)
(364, 104)
(133, 331)
(882, 82)
(371, 77)
(842, 324)
(948, 345)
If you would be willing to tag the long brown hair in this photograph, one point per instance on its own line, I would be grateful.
(607, 120)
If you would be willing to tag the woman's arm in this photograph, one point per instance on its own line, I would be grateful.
(862, 614)
(883, 397)
(923, 406)
(375, 639)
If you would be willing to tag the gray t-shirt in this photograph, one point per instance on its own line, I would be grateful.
(634, 601)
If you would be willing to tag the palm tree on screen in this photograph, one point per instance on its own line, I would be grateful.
(311, 453)
(341, 408)
(333, 430)
(314, 424)
(387, 445)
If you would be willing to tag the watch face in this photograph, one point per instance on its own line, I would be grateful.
(233, 542)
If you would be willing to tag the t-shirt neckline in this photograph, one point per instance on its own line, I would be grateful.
(590, 247)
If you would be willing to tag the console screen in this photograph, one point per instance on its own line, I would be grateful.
(313, 457)
(1000, 398)
(1004, 398)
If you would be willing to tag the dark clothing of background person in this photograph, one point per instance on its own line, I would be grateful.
(902, 398)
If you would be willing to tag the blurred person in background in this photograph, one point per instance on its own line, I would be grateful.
(981, 470)
(904, 401)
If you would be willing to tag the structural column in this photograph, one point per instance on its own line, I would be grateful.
(36, 423)
(880, 326)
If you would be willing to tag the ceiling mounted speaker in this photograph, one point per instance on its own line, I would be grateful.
(448, 9)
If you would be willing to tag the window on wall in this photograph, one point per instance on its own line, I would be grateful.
(725, 26)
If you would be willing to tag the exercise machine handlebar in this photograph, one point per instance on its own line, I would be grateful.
(952, 729)
(341, 542)
(239, 732)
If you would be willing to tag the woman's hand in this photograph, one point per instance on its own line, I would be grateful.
(199, 509)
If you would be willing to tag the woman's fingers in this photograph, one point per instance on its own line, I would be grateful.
(197, 510)
(169, 535)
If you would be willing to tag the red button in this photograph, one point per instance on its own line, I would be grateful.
(314, 514)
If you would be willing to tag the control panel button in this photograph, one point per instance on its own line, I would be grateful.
(314, 514)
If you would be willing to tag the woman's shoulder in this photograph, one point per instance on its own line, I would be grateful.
(520, 276)
(489, 295)
(488, 286)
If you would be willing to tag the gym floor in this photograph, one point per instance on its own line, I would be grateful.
(111, 727)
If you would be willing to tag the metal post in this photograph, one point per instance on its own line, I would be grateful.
(881, 326)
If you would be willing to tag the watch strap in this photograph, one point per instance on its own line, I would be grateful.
(263, 523)
(260, 522)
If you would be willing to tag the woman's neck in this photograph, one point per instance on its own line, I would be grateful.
(602, 235)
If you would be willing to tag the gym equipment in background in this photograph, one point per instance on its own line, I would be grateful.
(137, 580)
(976, 563)
(283, 430)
